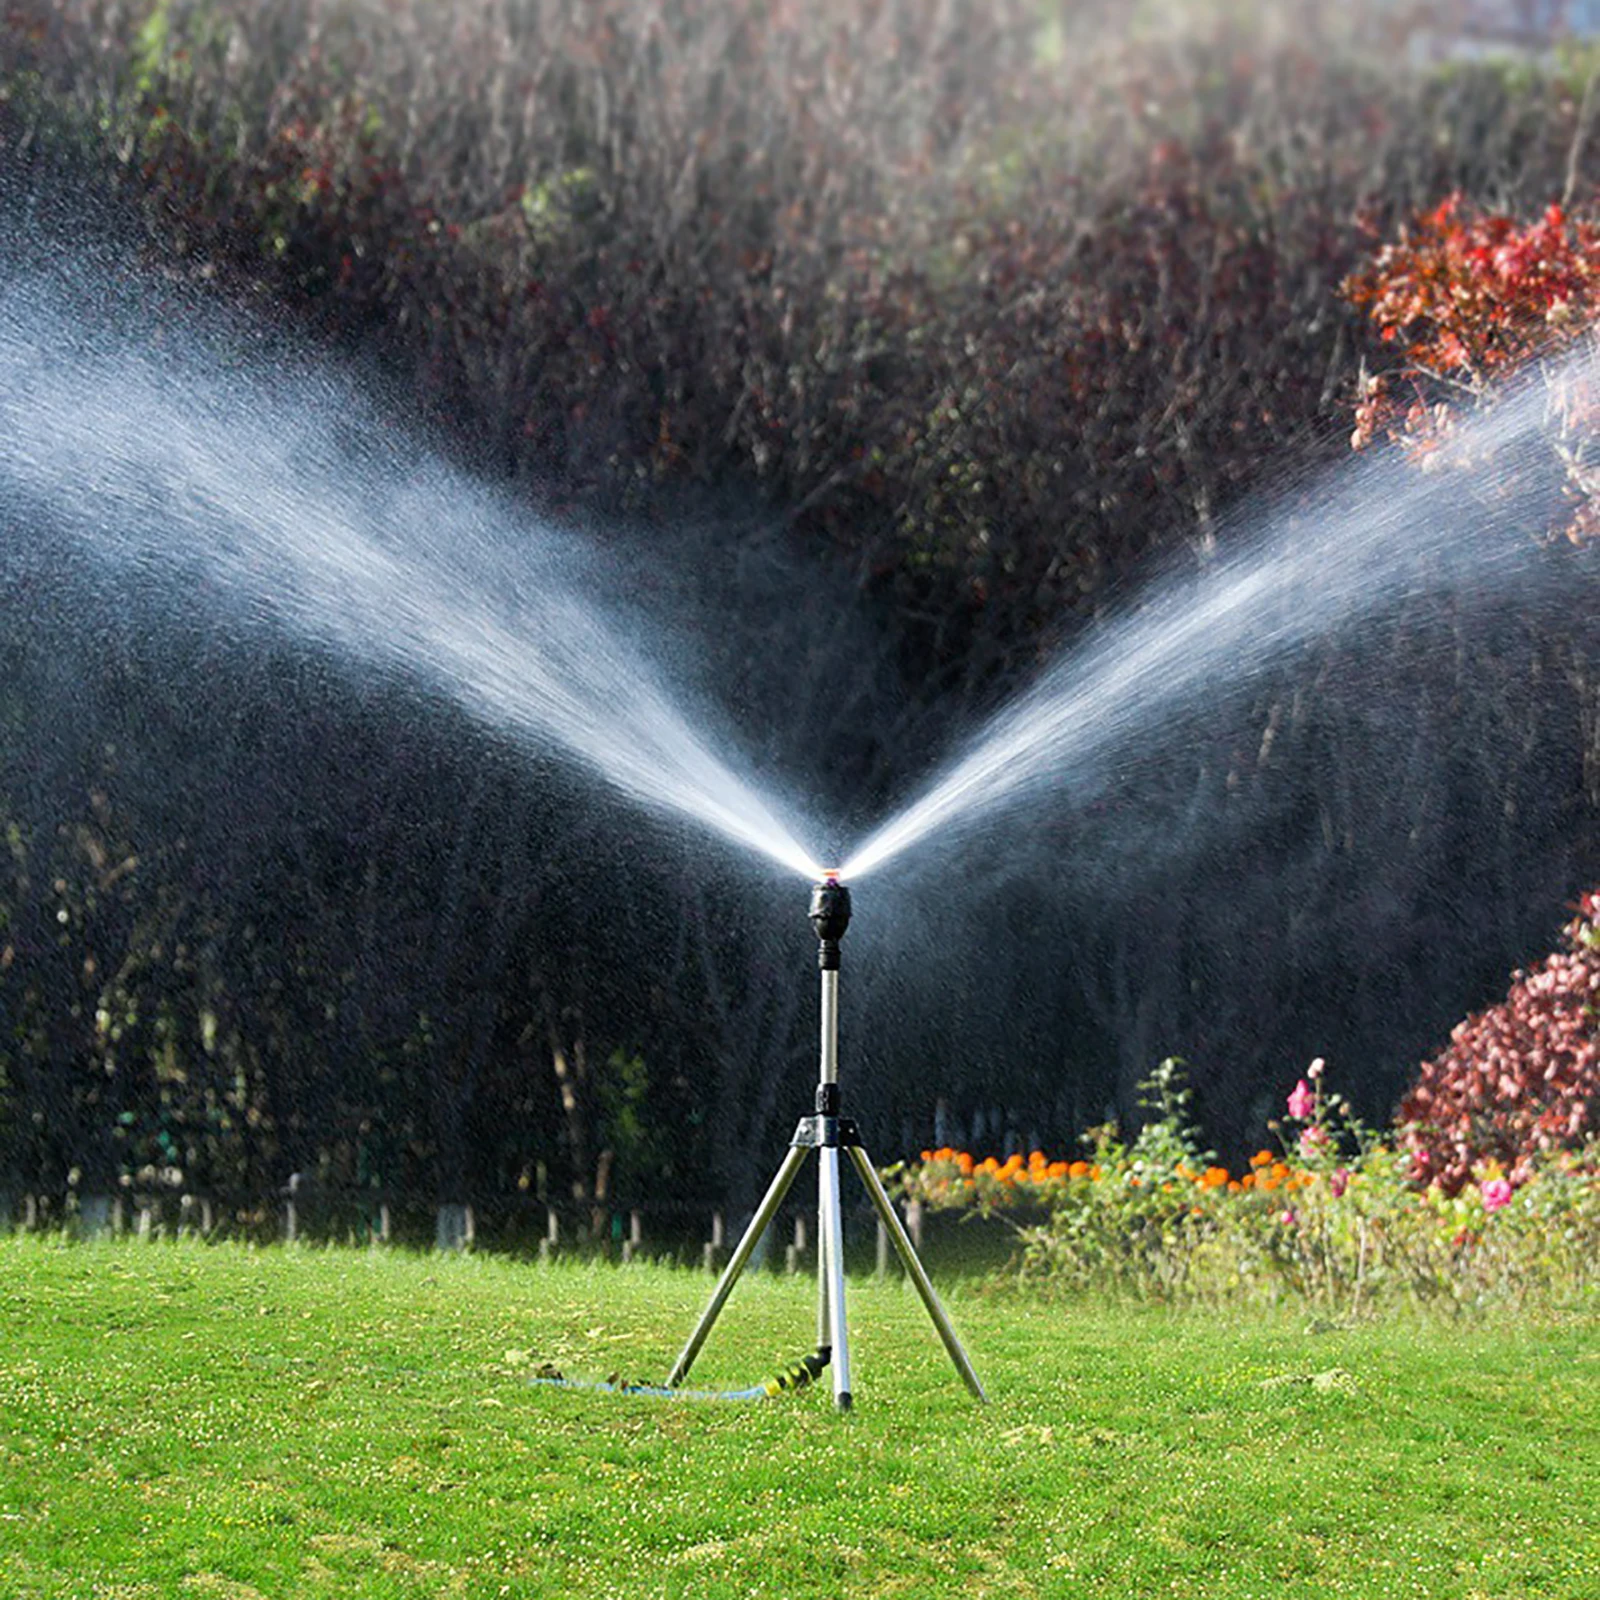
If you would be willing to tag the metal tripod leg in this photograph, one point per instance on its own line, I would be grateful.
(730, 1276)
(914, 1269)
(832, 1273)
(824, 1316)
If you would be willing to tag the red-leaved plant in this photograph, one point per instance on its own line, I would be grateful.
(1468, 298)
(1519, 1080)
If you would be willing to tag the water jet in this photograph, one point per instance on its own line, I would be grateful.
(1384, 533)
(269, 489)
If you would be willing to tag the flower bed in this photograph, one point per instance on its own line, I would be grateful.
(1335, 1218)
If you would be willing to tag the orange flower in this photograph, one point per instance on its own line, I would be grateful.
(1215, 1177)
(1262, 1158)
(1079, 1169)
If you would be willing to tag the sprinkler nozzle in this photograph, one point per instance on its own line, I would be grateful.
(830, 916)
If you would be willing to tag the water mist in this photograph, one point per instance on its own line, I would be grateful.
(165, 447)
(1383, 531)
(166, 450)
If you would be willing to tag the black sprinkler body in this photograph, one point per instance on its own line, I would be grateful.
(830, 916)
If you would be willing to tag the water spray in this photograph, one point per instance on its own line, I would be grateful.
(828, 1131)
(139, 449)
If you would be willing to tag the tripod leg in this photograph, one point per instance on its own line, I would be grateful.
(914, 1269)
(730, 1276)
(824, 1317)
(832, 1266)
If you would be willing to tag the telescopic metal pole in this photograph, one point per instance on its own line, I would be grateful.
(828, 1073)
(831, 1261)
(830, 916)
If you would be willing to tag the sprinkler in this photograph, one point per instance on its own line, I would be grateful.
(830, 916)
(828, 1132)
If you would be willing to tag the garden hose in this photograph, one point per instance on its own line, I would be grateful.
(794, 1376)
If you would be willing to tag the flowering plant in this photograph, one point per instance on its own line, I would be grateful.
(1334, 1219)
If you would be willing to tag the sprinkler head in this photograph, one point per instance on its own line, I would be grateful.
(830, 916)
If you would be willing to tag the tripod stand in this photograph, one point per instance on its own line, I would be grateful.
(828, 1132)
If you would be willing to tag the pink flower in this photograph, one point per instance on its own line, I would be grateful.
(1496, 1192)
(1302, 1102)
(1339, 1182)
(1290, 1218)
(1312, 1140)
(1316, 1069)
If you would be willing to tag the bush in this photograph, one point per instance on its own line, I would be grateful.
(1519, 1081)
(1469, 298)
(994, 304)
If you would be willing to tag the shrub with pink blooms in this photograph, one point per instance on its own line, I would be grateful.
(1518, 1081)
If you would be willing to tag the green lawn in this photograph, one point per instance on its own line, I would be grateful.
(184, 1420)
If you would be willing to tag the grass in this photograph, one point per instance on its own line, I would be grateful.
(194, 1421)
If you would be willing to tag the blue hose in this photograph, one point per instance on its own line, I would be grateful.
(795, 1376)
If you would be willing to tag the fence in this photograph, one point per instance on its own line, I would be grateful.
(308, 1211)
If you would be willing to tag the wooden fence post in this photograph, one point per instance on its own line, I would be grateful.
(712, 1254)
(794, 1257)
(914, 1222)
(635, 1240)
